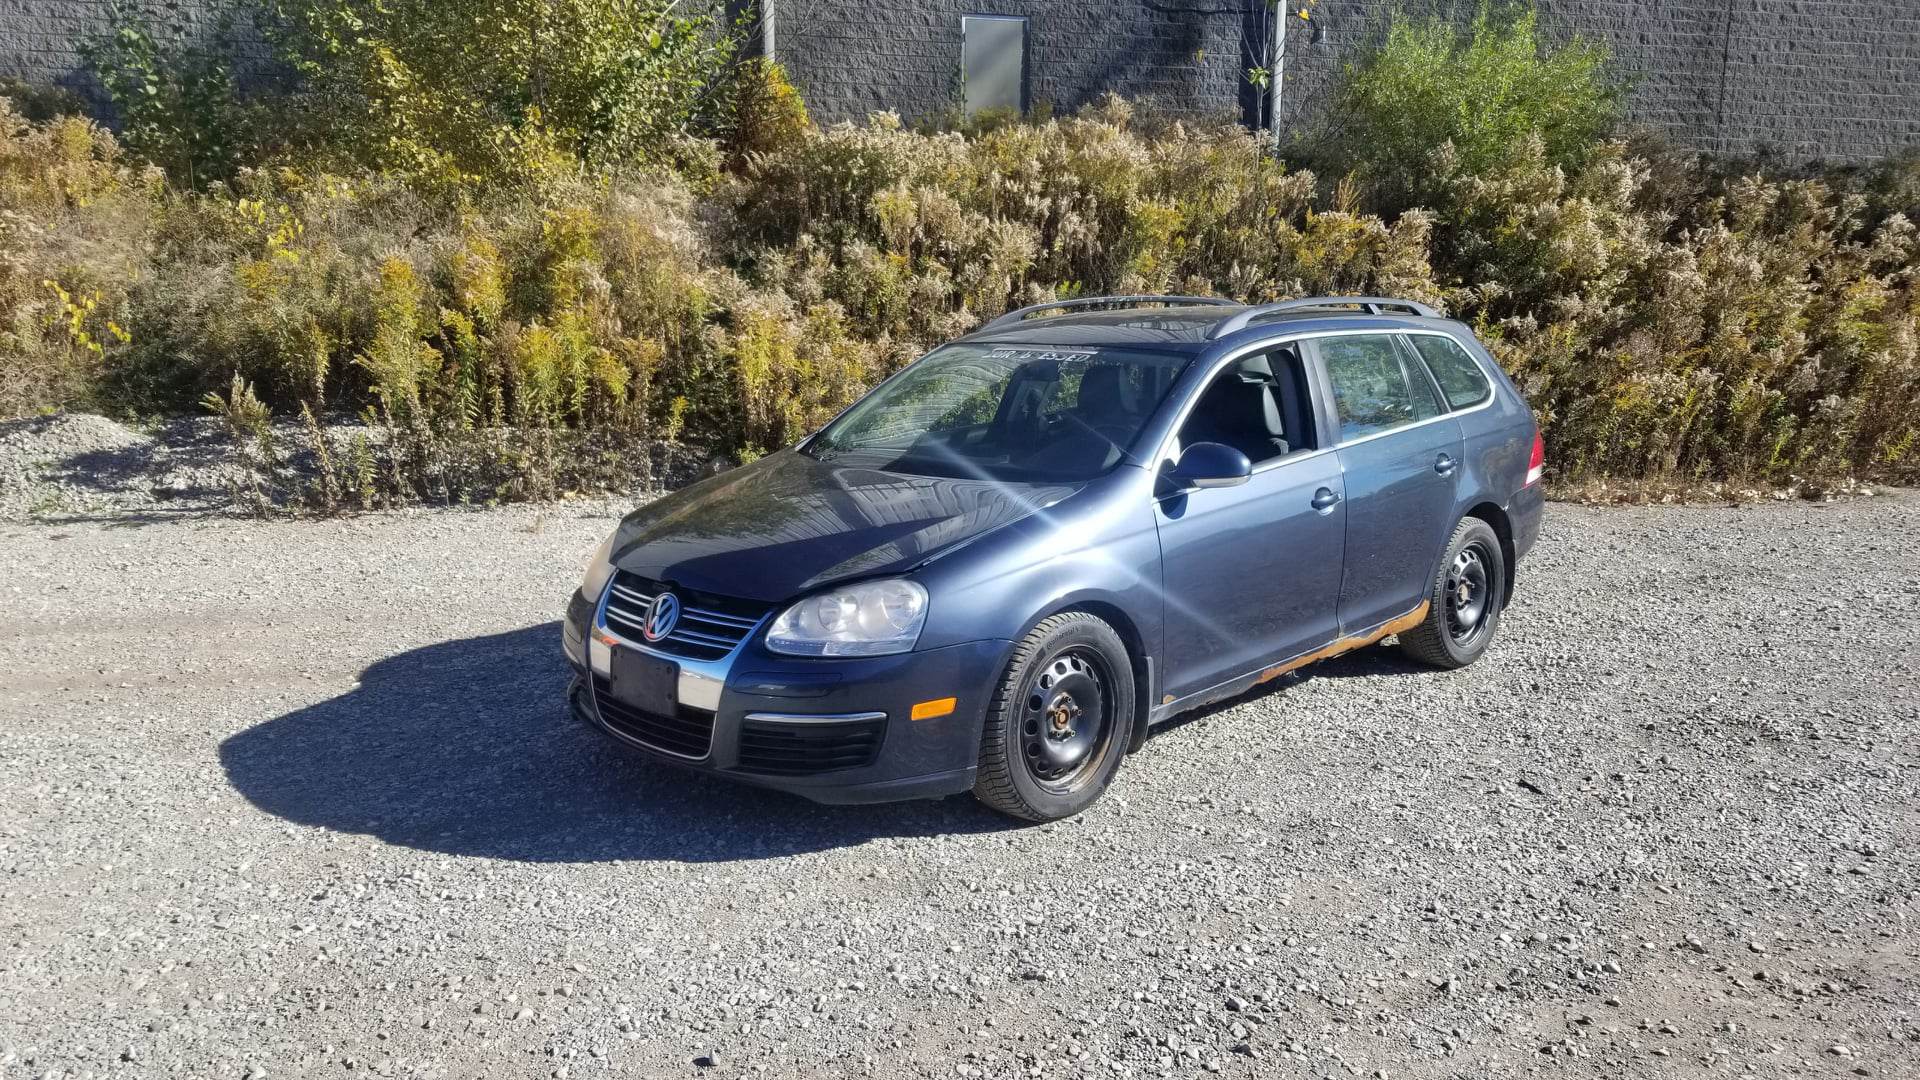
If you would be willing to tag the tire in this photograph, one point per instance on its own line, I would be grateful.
(1059, 721)
(1464, 599)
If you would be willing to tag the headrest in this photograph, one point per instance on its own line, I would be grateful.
(1247, 406)
(1102, 391)
(1256, 369)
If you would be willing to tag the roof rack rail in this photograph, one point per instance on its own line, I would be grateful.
(1372, 305)
(1020, 315)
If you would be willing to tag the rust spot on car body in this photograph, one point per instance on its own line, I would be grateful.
(1360, 641)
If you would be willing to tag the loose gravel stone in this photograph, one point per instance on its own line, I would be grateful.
(304, 797)
(70, 466)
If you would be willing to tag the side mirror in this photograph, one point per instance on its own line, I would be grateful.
(1209, 465)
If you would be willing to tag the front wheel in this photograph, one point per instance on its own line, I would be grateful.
(1059, 721)
(1464, 599)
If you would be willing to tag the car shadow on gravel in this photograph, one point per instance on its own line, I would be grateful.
(468, 748)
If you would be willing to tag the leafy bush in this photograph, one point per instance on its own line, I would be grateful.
(176, 96)
(521, 95)
(250, 424)
(917, 236)
(1669, 321)
(75, 221)
(1482, 92)
(1767, 333)
(764, 113)
(38, 102)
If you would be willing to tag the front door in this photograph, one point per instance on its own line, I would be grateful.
(1400, 456)
(1251, 574)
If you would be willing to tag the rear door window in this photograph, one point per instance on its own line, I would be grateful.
(1459, 375)
(1372, 389)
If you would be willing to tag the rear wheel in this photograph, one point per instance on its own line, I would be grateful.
(1058, 724)
(1464, 599)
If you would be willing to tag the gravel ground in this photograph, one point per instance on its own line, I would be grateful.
(78, 465)
(74, 467)
(302, 799)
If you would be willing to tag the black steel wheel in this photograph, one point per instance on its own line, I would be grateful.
(1059, 722)
(1468, 593)
(1464, 600)
(1067, 716)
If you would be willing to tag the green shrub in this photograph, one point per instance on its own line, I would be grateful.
(38, 102)
(916, 235)
(257, 459)
(1482, 90)
(175, 93)
(1668, 320)
(764, 113)
(75, 222)
(1768, 335)
(523, 95)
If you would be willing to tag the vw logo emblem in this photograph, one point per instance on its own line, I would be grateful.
(662, 616)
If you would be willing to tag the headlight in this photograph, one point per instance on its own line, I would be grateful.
(599, 570)
(868, 619)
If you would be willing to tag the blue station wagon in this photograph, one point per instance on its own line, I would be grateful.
(1004, 564)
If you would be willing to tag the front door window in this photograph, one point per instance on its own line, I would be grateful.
(1258, 406)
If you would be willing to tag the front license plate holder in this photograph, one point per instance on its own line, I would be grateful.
(644, 682)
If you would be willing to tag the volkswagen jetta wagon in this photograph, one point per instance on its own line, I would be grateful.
(1004, 564)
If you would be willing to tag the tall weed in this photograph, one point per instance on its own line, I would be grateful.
(1669, 320)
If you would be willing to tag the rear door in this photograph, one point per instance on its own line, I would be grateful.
(1400, 458)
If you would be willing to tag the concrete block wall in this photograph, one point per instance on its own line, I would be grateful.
(850, 59)
(40, 40)
(1837, 80)
(1808, 79)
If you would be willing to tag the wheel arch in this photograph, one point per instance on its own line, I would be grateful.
(1497, 519)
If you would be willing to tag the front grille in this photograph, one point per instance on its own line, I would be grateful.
(710, 626)
(688, 732)
(788, 749)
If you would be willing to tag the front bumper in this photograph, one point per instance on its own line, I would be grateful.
(755, 698)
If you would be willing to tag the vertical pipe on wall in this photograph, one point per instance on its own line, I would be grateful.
(1279, 75)
(1719, 142)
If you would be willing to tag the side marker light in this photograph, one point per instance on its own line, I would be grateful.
(938, 707)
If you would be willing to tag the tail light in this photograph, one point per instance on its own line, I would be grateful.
(1536, 464)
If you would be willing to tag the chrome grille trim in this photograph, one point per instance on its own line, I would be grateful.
(700, 632)
(815, 718)
(719, 618)
(639, 598)
(701, 681)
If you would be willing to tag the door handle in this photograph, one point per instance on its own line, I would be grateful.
(1325, 500)
(1444, 465)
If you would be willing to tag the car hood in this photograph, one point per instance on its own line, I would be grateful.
(787, 524)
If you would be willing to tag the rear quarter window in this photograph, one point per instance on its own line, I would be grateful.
(1459, 375)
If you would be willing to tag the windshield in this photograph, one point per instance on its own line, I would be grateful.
(1005, 412)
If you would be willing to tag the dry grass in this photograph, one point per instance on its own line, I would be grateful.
(1671, 326)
